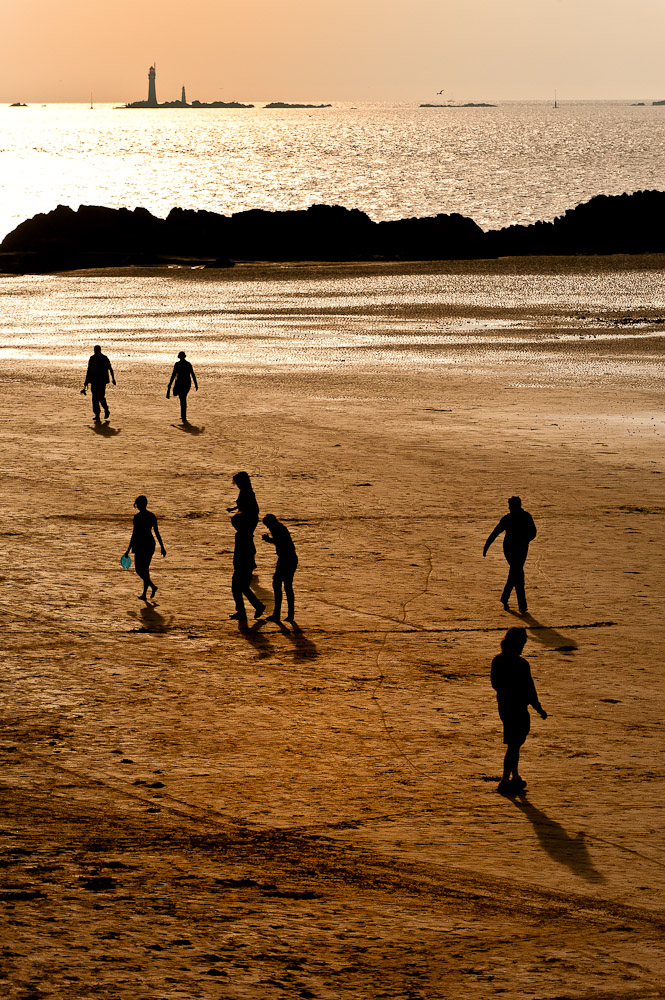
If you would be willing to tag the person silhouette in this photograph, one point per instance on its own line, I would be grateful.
(520, 530)
(244, 562)
(97, 377)
(142, 544)
(515, 691)
(183, 376)
(287, 562)
(246, 503)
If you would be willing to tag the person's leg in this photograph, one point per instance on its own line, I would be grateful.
(256, 602)
(183, 406)
(102, 400)
(511, 762)
(277, 591)
(290, 599)
(238, 583)
(96, 400)
(142, 567)
(510, 583)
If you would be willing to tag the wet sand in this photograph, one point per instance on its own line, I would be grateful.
(191, 809)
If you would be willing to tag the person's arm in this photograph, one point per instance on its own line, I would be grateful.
(532, 528)
(87, 377)
(268, 538)
(497, 531)
(158, 536)
(131, 544)
(171, 381)
(196, 384)
(111, 372)
(533, 697)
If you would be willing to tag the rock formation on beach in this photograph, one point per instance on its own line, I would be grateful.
(94, 236)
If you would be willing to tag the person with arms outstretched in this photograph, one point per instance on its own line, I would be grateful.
(515, 691)
(519, 530)
(244, 563)
(181, 379)
(142, 544)
(97, 377)
(287, 563)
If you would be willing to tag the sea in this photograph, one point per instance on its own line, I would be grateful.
(513, 163)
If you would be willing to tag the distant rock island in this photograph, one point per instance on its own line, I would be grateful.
(470, 105)
(152, 102)
(281, 104)
(18, 104)
(65, 239)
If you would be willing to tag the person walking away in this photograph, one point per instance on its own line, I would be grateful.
(181, 379)
(515, 691)
(519, 530)
(287, 563)
(142, 544)
(97, 377)
(244, 562)
(246, 503)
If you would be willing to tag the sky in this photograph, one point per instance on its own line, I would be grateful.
(347, 50)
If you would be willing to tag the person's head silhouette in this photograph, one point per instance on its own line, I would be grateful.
(270, 521)
(242, 480)
(514, 641)
(182, 355)
(97, 349)
(515, 503)
(141, 502)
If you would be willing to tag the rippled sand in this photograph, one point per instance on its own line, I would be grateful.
(194, 810)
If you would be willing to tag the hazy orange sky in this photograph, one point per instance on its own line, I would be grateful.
(62, 50)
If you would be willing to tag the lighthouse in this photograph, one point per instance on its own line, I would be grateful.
(152, 94)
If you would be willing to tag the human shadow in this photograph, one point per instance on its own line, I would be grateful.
(189, 428)
(254, 636)
(545, 634)
(105, 430)
(151, 620)
(555, 841)
(304, 648)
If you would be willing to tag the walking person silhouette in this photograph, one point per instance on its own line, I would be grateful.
(520, 530)
(142, 544)
(244, 562)
(515, 691)
(287, 563)
(97, 377)
(183, 376)
(246, 503)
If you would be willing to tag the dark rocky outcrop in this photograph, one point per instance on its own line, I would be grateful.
(65, 239)
(607, 224)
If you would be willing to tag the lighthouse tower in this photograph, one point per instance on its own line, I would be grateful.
(152, 94)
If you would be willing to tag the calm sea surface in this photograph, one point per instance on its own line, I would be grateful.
(512, 163)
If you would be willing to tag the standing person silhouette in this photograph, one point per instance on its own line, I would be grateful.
(244, 561)
(246, 503)
(287, 563)
(520, 530)
(97, 377)
(515, 691)
(183, 376)
(142, 544)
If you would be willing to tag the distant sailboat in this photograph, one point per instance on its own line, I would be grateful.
(91, 108)
(555, 103)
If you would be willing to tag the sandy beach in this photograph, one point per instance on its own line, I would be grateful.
(191, 809)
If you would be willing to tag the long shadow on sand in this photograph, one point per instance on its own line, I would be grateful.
(545, 634)
(555, 841)
(105, 430)
(304, 648)
(151, 620)
(189, 428)
(254, 636)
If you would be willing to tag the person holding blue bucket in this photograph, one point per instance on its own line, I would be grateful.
(142, 544)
